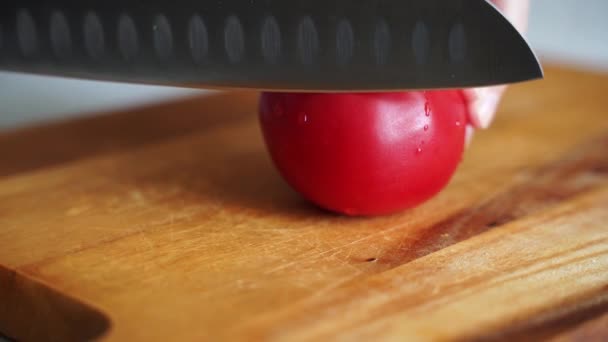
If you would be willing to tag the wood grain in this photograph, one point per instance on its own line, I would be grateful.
(485, 284)
(171, 223)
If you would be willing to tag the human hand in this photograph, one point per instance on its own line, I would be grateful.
(483, 102)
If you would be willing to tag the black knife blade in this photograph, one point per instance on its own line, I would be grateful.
(297, 45)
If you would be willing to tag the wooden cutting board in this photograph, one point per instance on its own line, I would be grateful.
(170, 223)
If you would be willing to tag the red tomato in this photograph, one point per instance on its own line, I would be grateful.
(368, 153)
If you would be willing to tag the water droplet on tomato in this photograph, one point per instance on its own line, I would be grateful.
(426, 128)
(419, 150)
(458, 123)
(303, 118)
(427, 109)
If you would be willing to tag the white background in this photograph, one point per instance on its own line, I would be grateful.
(566, 31)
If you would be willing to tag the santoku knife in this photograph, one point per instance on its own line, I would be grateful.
(296, 45)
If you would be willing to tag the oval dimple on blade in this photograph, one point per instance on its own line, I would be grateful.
(162, 37)
(198, 39)
(234, 39)
(345, 42)
(381, 47)
(60, 35)
(457, 43)
(271, 41)
(94, 35)
(308, 40)
(128, 38)
(27, 33)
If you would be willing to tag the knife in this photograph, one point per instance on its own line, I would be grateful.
(295, 45)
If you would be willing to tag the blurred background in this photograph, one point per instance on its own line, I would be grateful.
(567, 32)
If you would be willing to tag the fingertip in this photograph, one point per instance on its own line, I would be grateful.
(483, 104)
(471, 96)
(486, 108)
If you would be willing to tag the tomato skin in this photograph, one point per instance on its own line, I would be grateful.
(367, 153)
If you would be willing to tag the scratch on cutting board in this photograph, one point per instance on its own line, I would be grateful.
(338, 248)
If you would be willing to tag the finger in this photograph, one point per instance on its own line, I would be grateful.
(516, 11)
(482, 105)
